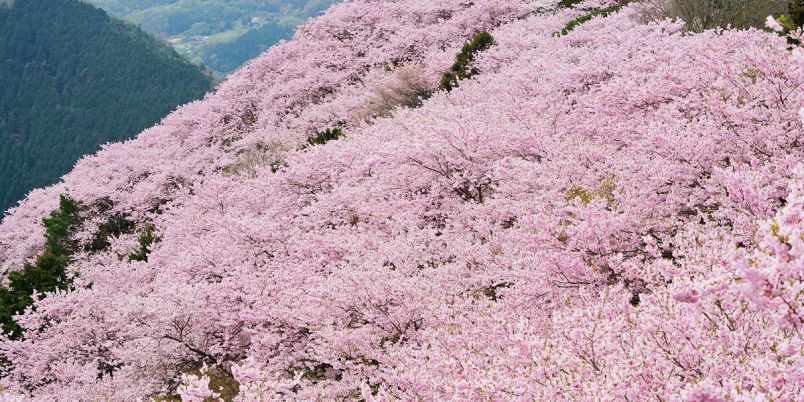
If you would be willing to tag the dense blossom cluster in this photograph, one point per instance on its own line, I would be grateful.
(614, 213)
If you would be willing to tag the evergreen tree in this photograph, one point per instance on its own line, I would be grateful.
(47, 273)
(71, 79)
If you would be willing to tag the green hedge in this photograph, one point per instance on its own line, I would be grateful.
(461, 69)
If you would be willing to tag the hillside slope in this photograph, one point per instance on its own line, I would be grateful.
(71, 79)
(223, 34)
(613, 213)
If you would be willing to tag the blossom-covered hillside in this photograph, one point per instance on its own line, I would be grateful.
(606, 210)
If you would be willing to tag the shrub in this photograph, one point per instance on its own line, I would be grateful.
(462, 69)
(795, 9)
(147, 239)
(48, 273)
(323, 137)
(793, 19)
(701, 15)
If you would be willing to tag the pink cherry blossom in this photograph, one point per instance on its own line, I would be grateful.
(610, 214)
(771, 23)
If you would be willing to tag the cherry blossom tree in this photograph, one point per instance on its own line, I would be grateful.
(612, 213)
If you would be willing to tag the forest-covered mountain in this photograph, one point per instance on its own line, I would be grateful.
(221, 34)
(452, 200)
(71, 79)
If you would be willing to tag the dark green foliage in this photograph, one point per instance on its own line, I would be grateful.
(227, 57)
(462, 69)
(795, 9)
(586, 17)
(48, 273)
(59, 226)
(323, 137)
(71, 79)
(320, 138)
(114, 227)
(147, 239)
(792, 20)
(568, 3)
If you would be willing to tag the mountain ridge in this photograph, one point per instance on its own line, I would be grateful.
(220, 34)
(73, 79)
